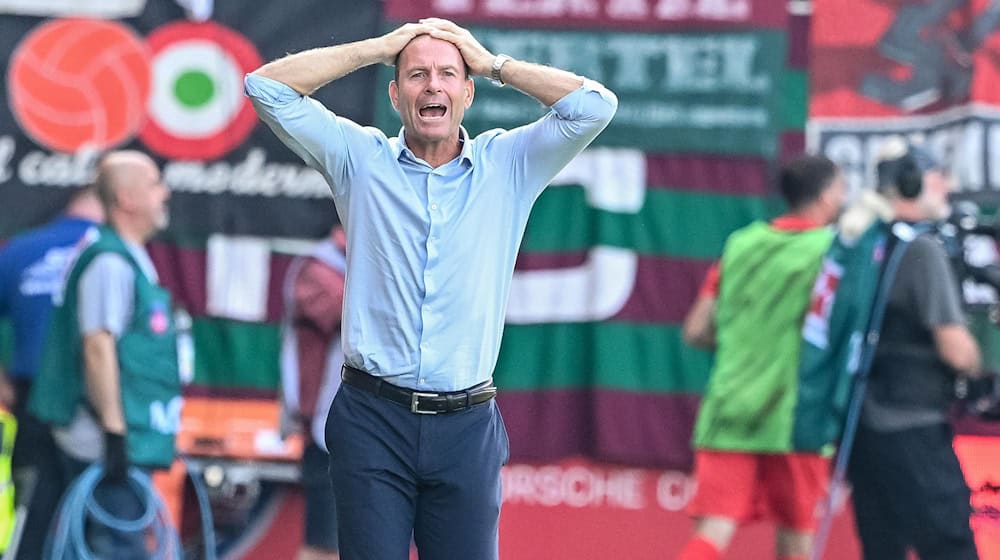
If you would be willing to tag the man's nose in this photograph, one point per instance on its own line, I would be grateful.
(433, 83)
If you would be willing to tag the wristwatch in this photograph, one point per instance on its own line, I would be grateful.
(498, 63)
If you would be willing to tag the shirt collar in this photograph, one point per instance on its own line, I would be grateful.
(791, 222)
(463, 135)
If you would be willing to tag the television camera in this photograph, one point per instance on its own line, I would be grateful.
(961, 234)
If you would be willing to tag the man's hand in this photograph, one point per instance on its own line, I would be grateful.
(115, 458)
(544, 83)
(396, 40)
(699, 324)
(479, 60)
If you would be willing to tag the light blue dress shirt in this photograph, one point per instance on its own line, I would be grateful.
(430, 251)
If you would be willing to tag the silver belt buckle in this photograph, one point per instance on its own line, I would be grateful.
(415, 400)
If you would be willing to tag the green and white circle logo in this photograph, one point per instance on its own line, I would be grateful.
(197, 109)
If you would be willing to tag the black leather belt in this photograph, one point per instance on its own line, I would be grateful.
(419, 402)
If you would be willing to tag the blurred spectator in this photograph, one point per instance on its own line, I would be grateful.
(311, 357)
(108, 381)
(908, 487)
(751, 309)
(32, 268)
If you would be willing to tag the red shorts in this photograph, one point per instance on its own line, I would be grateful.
(749, 486)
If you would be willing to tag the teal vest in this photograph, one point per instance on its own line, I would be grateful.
(147, 360)
(841, 329)
(767, 275)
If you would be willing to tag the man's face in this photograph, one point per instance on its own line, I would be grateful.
(432, 92)
(151, 196)
(934, 195)
(833, 198)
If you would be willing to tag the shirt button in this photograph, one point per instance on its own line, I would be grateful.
(423, 381)
(434, 206)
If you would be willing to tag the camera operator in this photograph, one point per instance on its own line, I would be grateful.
(909, 490)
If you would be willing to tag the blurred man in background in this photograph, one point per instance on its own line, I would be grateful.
(416, 439)
(108, 382)
(908, 487)
(311, 358)
(751, 310)
(32, 268)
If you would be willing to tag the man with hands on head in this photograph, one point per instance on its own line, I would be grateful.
(433, 219)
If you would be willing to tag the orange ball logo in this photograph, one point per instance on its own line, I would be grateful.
(77, 83)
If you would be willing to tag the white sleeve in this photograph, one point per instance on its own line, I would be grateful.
(105, 294)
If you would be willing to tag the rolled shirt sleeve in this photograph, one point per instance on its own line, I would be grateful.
(323, 140)
(539, 150)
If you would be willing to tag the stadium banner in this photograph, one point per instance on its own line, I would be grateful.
(690, 92)
(592, 361)
(610, 230)
(73, 87)
(924, 69)
(629, 15)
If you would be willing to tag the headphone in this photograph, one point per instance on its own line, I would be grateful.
(903, 173)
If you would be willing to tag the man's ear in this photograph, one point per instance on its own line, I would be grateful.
(470, 92)
(394, 95)
(826, 196)
(125, 197)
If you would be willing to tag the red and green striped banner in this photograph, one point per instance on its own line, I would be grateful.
(712, 94)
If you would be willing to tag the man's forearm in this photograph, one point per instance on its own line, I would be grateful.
(958, 348)
(100, 360)
(544, 83)
(307, 71)
(699, 325)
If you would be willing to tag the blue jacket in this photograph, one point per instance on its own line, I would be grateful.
(32, 266)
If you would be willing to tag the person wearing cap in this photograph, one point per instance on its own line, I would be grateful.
(908, 487)
(32, 267)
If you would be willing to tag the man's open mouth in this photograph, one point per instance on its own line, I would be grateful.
(433, 111)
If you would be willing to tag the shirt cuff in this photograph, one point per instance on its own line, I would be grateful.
(579, 101)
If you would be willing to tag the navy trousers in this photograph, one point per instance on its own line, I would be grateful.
(398, 475)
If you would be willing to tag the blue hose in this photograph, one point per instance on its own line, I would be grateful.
(205, 508)
(68, 540)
